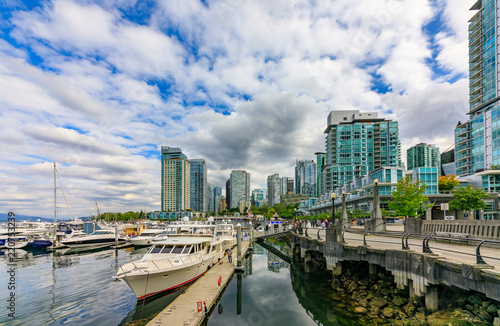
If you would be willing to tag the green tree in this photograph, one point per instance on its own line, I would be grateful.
(448, 182)
(408, 197)
(467, 199)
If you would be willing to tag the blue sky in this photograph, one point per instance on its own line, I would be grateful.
(100, 86)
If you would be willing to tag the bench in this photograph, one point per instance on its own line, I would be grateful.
(452, 234)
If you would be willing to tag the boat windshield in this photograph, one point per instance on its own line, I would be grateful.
(171, 249)
(100, 232)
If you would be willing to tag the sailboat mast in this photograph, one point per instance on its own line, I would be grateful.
(55, 207)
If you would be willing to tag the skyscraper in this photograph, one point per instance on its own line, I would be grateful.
(257, 197)
(320, 164)
(477, 141)
(273, 189)
(199, 201)
(217, 197)
(306, 178)
(239, 188)
(423, 156)
(175, 180)
(357, 143)
(210, 197)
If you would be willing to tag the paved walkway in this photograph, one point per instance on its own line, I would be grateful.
(183, 310)
(459, 253)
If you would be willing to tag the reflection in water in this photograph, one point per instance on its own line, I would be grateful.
(74, 287)
(282, 294)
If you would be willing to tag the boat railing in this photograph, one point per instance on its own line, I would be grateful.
(173, 262)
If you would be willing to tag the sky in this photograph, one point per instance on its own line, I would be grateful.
(99, 86)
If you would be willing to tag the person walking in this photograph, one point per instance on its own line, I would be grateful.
(230, 255)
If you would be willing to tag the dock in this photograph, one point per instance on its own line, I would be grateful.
(183, 311)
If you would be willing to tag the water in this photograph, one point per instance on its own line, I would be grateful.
(273, 292)
(74, 288)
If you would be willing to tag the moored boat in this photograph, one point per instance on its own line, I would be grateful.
(97, 239)
(146, 237)
(180, 259)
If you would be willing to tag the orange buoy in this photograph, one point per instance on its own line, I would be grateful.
(220, 280)
(199, 306)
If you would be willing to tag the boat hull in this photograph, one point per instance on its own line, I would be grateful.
(142, 242)
(149, 284)
(94, 243)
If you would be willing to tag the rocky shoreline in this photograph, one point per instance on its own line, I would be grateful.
(382, 302)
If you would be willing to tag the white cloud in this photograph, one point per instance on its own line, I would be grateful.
(243, 84)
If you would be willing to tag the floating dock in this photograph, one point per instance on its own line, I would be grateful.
(183, 311)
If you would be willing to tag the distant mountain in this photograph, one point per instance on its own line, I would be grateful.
(5, 217)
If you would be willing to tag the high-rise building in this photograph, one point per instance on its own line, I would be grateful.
(257, 196)
(423, 156)
(210, 197)
(357, 143)
(320, 164)
(284, 185)
(175, 180)
(239, 188)
(290, 186)
(228, 193)
(306, 178)
(199, 201)
(448, 162)
(273, 189)
(217, 197)
(477, 141)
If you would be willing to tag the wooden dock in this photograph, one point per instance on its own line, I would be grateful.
(183, 310)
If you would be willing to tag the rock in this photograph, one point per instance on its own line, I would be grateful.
(398, 301)
(388, 312)
(360, 310)
(496, 321)
(374, 311)
(461, 300)
(492, 309)
(378, 302)
(485, 304)
(475, 299)
(370, 296)
(469, 307)
(484, 315)
(409, 309)
(363, 303)
(440, 318)
(402, 315)
(352, 287)
(384, 292)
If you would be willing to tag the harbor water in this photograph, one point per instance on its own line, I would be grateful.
(77, 288)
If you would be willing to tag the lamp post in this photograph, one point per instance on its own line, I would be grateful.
(333, 206)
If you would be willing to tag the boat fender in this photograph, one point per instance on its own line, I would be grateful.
(220, 280)
(205, 305)
(198, 305)
(220, 309)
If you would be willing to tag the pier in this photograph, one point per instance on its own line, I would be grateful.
(183, 311)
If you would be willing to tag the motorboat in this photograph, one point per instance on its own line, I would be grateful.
(227, 233)
(10, 239)
(146, 237)
(188, 253)
(97, 239)
(39, 240)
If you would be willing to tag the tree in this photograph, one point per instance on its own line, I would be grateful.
(448, 182)
(467, 199)
(408, 197)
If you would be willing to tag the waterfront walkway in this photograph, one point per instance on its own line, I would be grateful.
(461, 253)
(183, 310)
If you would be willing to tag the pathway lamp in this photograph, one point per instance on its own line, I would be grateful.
(333, 206)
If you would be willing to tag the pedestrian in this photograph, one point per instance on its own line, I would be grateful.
(323, 225)
(230, 255)
(327, 223)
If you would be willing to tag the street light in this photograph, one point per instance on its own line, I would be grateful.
(333, 206)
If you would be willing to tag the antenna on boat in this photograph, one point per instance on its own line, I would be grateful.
(55, 209)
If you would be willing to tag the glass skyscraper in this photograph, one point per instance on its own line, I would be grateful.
(356, 144)
(175, 180)
(239, 188)
(477, 141)
(198, 185)
(423, 156)
(306, 178)
(273, 189)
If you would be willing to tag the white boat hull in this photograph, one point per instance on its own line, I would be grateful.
(148, 284)
(145, 241)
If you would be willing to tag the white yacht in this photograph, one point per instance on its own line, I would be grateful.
(226, 233)
(184, 256)
(97, 239)
(146, 237)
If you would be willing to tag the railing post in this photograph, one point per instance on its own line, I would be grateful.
(425, 245)
(319, 238)
(364, 238)
(479, 259)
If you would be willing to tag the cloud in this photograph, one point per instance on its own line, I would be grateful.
(100, 86)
